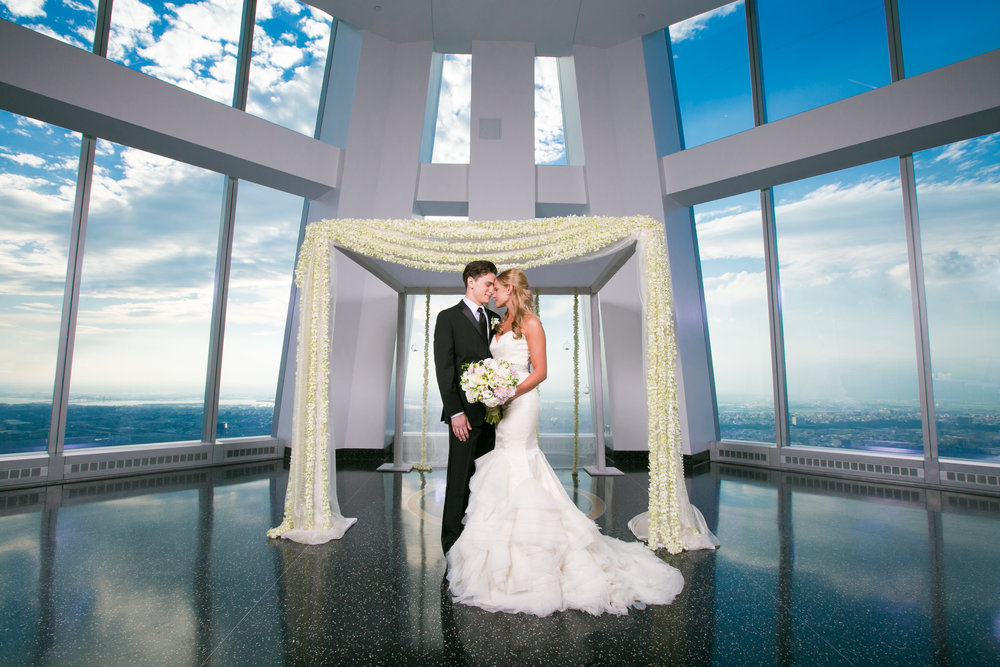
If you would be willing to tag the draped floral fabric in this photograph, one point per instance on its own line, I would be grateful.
(447, 246)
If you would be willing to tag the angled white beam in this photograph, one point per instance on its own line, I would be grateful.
(949, 104)
(48, 80)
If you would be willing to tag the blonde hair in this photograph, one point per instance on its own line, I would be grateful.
(521, 299)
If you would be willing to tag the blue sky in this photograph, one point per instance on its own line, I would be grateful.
(840, 236)
(148, 273)
(143, 320)
(451, 134)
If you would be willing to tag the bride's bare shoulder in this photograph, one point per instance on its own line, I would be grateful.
(532, 324)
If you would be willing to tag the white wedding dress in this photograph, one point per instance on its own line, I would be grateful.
(526, 547)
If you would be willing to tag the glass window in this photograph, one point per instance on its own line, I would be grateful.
(847, 311)
(38, 170)
(731, 247)
(145, 301)
(815, 53)
(550, 139)
(935, 35)
(189, 43)
(421, 344)
(958, 190)
(712, 74)
(555, 427)
(70, 22)
(452, 133)
(290, 45)
(266, 233)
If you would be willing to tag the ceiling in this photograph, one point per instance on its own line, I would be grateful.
(555, 26)
(586, 274)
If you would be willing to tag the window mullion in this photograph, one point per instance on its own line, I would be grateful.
(779, 378)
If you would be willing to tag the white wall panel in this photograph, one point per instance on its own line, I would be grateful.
(502, 170)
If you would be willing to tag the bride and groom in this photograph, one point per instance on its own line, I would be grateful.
(513, 539)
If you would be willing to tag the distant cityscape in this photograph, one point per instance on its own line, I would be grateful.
(965, 433)
(970, 432)
(24, 427)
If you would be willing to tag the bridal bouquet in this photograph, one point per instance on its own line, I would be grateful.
(491, 382)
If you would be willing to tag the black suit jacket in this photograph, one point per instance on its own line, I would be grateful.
(458, 340)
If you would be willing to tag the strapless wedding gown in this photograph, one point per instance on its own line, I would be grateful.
(526, 547)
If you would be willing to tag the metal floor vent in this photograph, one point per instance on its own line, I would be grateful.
(24, 473)
(971, 479)
(10, 501)
(743, 455)
(118, 487)
(844, 487)
(137, 462)
(249, 451)
(893, 471)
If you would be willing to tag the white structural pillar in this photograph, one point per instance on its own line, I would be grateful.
(502, 151)
(622, 179)
(597, 392)
(694, 370)
(397, 464)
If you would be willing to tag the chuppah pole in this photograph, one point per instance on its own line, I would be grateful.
(397, 464)
(597, 391)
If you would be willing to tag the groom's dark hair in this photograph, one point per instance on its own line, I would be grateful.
(477, 268)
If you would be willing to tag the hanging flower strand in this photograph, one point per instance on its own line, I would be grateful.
(576, 379)
(423, 466)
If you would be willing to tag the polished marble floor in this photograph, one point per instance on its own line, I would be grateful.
(175, 569)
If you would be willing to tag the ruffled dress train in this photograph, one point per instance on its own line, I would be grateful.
(526, 547)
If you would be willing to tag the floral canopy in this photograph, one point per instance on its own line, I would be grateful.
(311, 510)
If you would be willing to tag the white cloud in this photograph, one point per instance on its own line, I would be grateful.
(732, 233)
(131, 28)
(549, 135)
(142, 174)
(25, 8)
(452, 131)
(195, 49)
(27, 194)
(286, 79)
(27, 159)
(25, 121)
(70, 38)
(266, 8)
(691, 27)
(316, 25)
(736, 288)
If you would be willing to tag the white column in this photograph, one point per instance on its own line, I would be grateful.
(502, 153)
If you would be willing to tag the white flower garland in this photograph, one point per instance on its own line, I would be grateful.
(446, 246)
(423, 466)
(576, 379)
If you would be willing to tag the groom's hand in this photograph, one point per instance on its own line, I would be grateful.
(460, 427)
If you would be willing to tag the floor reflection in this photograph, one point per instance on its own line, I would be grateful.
(175, 569)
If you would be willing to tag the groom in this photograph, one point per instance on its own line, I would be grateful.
(461, 336)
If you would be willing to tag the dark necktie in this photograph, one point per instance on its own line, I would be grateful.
(483, 324)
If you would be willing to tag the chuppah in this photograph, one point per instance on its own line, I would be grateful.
(312, 513)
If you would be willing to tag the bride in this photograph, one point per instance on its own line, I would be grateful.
(526, 547)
